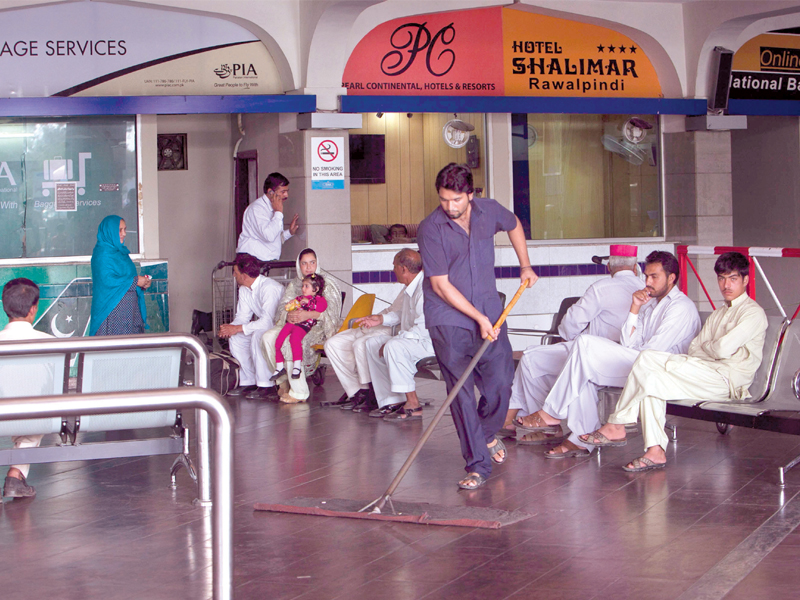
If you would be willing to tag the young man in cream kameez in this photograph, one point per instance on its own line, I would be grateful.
(720, 365)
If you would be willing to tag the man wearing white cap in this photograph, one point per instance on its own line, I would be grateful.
(601, 311)
(661, 318)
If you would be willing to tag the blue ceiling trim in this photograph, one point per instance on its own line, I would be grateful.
(523, 104)
(764, 107)
(154, 105)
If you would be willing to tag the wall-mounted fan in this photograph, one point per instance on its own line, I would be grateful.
(635, 130)
(456, 132)
(630, 145)
(172, 152)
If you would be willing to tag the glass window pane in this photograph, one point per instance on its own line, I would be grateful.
(59, 178)
(586, 176)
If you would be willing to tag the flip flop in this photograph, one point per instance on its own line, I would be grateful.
(604, 441)
(644, 464)
(537, 438)
(478, 479)
(544, 427)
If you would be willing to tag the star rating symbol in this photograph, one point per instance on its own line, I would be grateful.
(600, 48)
(612, 48)
(622, 49)
(633, 49)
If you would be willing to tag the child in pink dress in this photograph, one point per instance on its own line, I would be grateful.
(311, 300)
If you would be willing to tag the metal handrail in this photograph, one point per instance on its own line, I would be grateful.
(211, 405)
(132, 342)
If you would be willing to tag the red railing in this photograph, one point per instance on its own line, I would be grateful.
(752, 253)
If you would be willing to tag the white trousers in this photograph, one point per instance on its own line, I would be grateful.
(347, 353)
(535, 376)
(299, 387)
(247, 350)
(393, 374)
(25, 441)
(592, 362)
(660, 376)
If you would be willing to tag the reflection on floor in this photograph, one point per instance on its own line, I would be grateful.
(112, 529)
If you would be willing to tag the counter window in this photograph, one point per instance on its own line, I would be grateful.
(586, 176)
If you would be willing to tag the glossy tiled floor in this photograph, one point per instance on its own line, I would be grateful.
(700, 528)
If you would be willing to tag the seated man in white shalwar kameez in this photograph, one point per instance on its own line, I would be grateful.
(601, 311)
(720, 365)
(661, 318)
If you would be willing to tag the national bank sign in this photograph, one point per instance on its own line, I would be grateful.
(767, 67)
(101, 49)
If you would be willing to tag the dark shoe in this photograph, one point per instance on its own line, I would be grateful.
(295, 373)
(241, 391)
(263, 393)
(342, 400)
(18, 488)
(278, 374)
(370, 401)
(379, 413)
(357, 400)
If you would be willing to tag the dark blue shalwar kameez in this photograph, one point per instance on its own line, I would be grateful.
(468, 261)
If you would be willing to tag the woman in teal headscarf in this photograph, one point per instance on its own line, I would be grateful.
(117, 297)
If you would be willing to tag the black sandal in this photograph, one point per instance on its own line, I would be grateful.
(477, 478)
(496, 449)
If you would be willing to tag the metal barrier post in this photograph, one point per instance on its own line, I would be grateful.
(117, 402)
(129, 342)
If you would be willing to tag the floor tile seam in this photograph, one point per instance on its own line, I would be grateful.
(454, 580)
(727, 573)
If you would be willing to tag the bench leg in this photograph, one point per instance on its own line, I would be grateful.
(182, 460)
(783, 470)
(672, 431)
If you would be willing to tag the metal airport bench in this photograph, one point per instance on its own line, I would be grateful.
(105, 364)
(774, 403)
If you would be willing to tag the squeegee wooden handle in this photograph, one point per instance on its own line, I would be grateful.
(507, 309)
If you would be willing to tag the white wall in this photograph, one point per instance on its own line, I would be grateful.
(766, 200)
(195, 212)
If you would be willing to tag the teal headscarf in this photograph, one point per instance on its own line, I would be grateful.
(112, 273)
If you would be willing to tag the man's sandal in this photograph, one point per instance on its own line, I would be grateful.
(539, 425)
(602, 441)
(475, 479)
(643, 464)
(405, 414)
(497, 449)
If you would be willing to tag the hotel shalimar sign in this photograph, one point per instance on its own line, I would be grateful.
(498, 52)
(767, 67)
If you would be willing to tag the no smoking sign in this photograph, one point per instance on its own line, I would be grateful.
(327, 163)
(328, 150)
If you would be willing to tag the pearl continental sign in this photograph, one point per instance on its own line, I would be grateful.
(498, 52)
